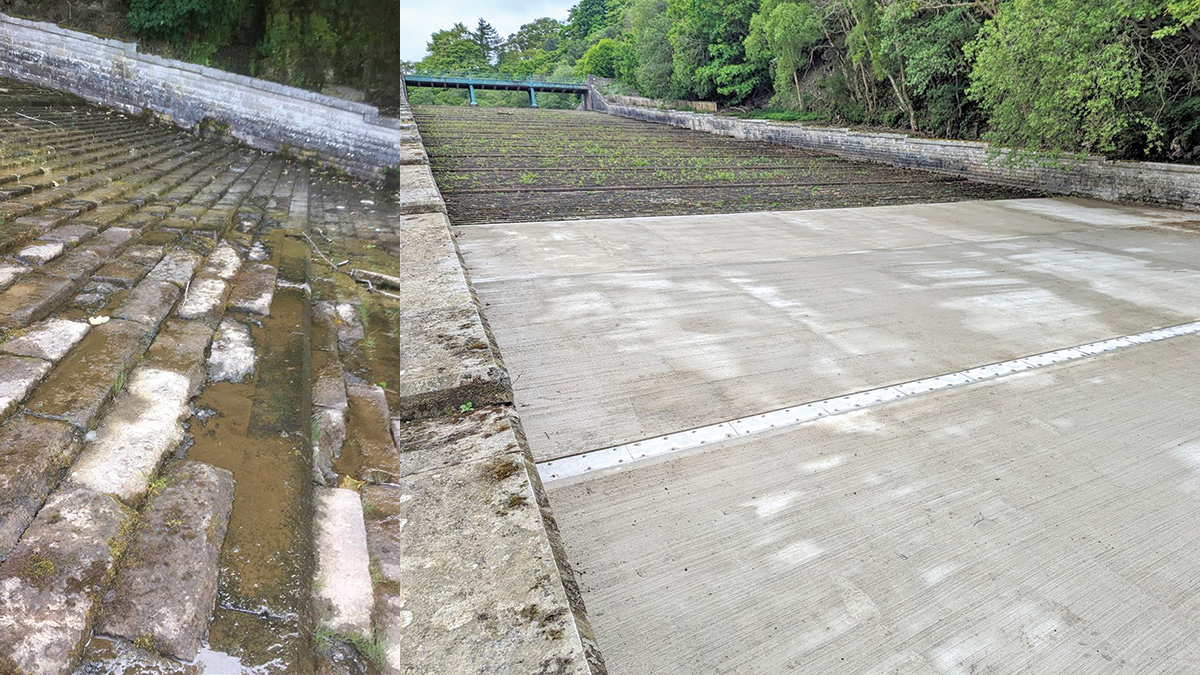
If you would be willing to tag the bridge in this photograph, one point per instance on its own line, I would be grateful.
(497, 81)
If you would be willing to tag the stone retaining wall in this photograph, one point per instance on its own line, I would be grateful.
(265, 115)
(699, 106)
(1170, 185)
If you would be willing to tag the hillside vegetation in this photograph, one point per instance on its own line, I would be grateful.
(305, 43)
(1118, 78)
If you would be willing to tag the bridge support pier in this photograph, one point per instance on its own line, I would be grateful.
(471, 88)
(532, 97)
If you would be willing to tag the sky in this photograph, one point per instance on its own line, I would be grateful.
(420, 18)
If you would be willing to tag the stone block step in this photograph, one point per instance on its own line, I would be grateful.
(32, 454)
(343, 598)
(88, 377)
(135, 435)
(164, 593)
(50, 585)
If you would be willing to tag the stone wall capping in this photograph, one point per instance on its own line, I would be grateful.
(350, 136)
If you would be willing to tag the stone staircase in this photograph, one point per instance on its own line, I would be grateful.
(243, 408)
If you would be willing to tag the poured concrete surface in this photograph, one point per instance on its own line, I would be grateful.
(1041, 523)
(619, 330)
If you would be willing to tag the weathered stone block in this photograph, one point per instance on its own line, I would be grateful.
(40, 254)
(121, 273)
(50, 583)
(139, 430)
(18, 375)
(342, 593)
(418, 192)
(445, 441)
(32, 298)
(70, 235)
(176, 267)
(233, 357)
(478, 521)
(32, 452)
(180, 347)
(253, 290)
(91, 373)
(148, 303)
(223, 263)
(167, 585)
(50, 339)
(448, 361)
(205, 299)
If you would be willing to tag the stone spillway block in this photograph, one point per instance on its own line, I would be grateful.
(32, 453)
(418, 192)
(167, 585)
(468, 574)
(180, 347)
(342, 595)
(232, 358)
(18, 375)
(450, 362)
(91, 373)
(32, 298)
(444, 441)
(254, 289)
(223, 263)
(49, 340)
(176, 267)
(148, 303)
(50, 585)
(205, 299)
(143, 425)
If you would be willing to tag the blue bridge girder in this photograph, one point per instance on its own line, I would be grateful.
(473, 81)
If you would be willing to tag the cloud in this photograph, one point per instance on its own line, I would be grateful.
(420, 18)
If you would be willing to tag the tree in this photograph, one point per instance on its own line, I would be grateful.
(650, 27)
(586, 17)
(708, 50)
(544, 34)
(608, 58)
(488, 40)
(1056, 75)
(784, 34)
(454, 49)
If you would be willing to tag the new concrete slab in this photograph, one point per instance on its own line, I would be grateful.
(619, 330)
(1043, 522)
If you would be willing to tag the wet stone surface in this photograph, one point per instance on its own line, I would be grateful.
(32, 452)
(142, 426)
(50, 583)
(50, 340)
(176, 267)
(18, 375)
(164, 592)
(342, 595)
(91, 373)
(253, 290)
(233, 357)
(204, 299)
(148, 303)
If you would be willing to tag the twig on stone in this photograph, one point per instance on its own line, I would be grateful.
(318, 251)
(36, 119)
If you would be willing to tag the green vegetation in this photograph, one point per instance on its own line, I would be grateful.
(306, 43)
(369, 647)
(1122, 79)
